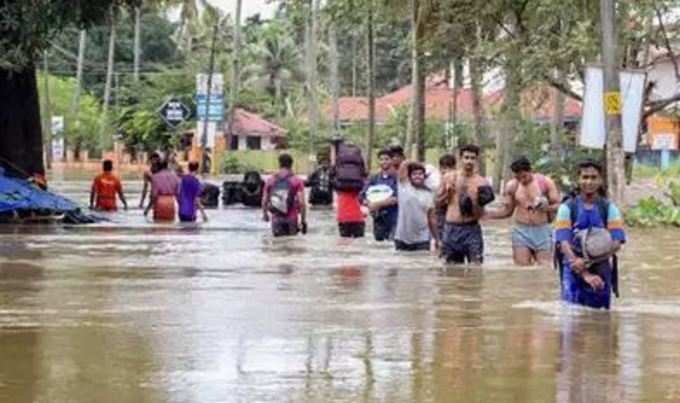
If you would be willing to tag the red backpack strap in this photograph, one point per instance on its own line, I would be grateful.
(542, 184)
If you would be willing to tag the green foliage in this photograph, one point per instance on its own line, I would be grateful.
(27, 26)
(232, 165)
(139, 122)
(652, 212)
(81, 132)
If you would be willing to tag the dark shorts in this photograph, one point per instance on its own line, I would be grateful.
(352, 229)
(463, 242)
(383, 228)
(411, 247)
(187, 218)
(282, 227)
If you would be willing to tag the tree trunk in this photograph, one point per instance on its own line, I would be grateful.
(21, 143)
(370, 48)
(335, 81)
(47, 112)
(476, 90)
(137, 44)
(312, 66)
(109, 78)
(236, 73)
(614, 152)
(557, 119)
(75, 103)
(418, 77)
(511, 117)
(354, 65)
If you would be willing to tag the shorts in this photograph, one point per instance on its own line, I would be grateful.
(463, 242)
(352, 229)
(383, 228)
(576, 291)
(187, 218)
(283, 227)
(537, 238)
(164, 208)
(411, 247)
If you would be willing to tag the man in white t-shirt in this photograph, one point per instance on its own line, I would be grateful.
(417, 222)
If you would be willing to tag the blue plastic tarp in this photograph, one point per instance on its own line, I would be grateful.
(19, 194)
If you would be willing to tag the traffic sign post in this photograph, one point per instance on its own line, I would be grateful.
(174, 112)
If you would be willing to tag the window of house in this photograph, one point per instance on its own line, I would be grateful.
(254, 143)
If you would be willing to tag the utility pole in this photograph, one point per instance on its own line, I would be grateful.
(47, 129)
(236, 73)
(370, 44)
(204, 135)
(615, 169)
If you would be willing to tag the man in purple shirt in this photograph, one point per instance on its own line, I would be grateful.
(189, 195)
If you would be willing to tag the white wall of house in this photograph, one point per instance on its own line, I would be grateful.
(266, 143)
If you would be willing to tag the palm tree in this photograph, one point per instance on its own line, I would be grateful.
(277, 64)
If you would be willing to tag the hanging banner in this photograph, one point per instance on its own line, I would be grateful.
(597, 103)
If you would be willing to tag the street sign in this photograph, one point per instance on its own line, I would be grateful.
(174, 112)
(216, 110)
(217, 87)
(57, 130)
(612, 103)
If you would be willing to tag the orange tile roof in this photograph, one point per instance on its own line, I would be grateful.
(249, 124)
(438, 98)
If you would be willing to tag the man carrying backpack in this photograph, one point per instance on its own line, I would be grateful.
(589, 231)
(349, 176)
(533, 199)
(284, 197)
(321, 193)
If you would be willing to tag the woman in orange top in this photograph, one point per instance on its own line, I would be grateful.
(105, 188)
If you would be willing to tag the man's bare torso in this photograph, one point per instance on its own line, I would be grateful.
(457, 184)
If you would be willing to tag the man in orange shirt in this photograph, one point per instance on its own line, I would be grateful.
(104, 189)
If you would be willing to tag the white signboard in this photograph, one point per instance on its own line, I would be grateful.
(58, 149)
(217, 84)
(57, 130)
(664, 141)
(212, 130)
(592, 123)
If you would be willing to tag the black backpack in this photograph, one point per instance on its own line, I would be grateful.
(281, 197)
(349, 171)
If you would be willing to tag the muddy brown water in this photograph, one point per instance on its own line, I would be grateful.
(130, 311)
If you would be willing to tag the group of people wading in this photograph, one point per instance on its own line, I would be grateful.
(580, 233)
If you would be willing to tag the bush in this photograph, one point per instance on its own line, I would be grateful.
(652, 212)
(231, 165)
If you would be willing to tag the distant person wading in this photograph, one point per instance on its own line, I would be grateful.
(283, 200)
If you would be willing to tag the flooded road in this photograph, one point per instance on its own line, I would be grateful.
(130, 311)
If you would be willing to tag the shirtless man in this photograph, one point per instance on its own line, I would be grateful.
(465, 193)
(154, 166)
(533, 199)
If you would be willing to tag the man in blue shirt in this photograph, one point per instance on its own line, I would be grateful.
(380, 195)
(587, 283)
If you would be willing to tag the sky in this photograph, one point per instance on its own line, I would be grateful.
(250, 7)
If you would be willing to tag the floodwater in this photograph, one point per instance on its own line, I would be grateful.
(130, 311)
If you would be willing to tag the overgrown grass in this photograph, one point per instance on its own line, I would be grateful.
(648, 172)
